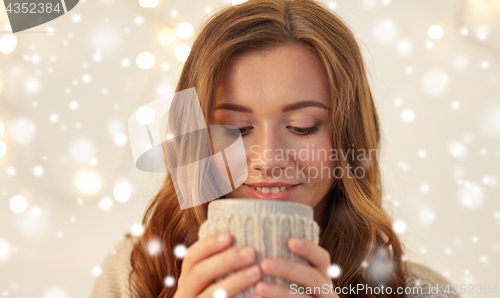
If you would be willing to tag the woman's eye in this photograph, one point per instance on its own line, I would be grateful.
(232, 132)
(303, 131)
(245, 130)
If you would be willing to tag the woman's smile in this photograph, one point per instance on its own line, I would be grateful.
(271, 191)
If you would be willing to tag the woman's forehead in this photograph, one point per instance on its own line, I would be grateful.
(284, 73)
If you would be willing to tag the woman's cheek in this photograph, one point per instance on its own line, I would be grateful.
(315, 152)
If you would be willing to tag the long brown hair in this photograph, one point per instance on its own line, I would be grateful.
(355, 230)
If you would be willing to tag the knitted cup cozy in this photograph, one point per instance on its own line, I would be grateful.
(264, 225)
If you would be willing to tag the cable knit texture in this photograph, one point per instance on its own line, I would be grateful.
(113, 282)
(267, 233)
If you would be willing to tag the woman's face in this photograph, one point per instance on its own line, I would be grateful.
(280, 100)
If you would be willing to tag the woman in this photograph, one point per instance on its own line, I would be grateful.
(289, 74)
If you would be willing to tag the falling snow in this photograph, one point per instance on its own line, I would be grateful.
(66, 98)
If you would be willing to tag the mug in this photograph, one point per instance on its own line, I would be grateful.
(265, 225)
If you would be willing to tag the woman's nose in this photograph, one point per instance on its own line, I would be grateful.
(268, 154)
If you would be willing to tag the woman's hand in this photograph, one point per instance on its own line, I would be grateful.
(297, 273)
(209, 258)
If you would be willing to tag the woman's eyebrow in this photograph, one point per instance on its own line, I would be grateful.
(233, 107)
(304, 104)
(287, 108)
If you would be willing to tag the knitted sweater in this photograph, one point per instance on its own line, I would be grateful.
(113, 282)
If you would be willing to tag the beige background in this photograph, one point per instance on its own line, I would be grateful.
(438, 101)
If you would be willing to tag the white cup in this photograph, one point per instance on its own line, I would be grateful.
(264, 225)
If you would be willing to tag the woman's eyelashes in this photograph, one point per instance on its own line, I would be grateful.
(245, 130)
(303, 131)
(234, 133)
(300, 131)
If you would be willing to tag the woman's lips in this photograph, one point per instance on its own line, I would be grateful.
(280, 196)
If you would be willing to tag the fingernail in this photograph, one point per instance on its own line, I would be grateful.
(223, 237)
(296, 242)
(246, 252)
(264, 287)
(253, 271)
(269, 264)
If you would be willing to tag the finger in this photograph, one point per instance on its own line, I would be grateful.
(315, 254)
(204, 248)
(218, 265)
(234, 283)
(271, 290)
(293, 271)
